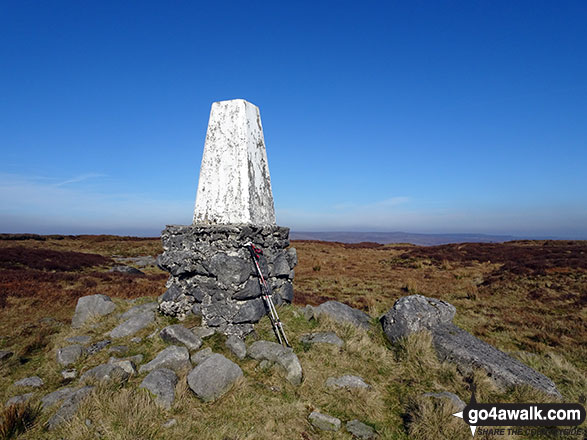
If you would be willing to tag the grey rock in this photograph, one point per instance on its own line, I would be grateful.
(91, 306)
(106, 372)
(199, 356)
(161, 382)
(451, 397)
(118, 349)
(126, 270)
(171, 294)
(69, 374)
(250, 312)
(213, 377)
(97, 346)
(342, 313)
(251, 289)
(56, 396)
(133, 325)
(324, 422)
(415, 313)
(203, 332)
(360, 430)
(173, 357)
(17, 400)
(69, 355)
(178, 334)
(346, 381)
(292, 257)
(197, 309)
(68, 408)
(136, 340)
(169, 424)
(137, 310)
(285, 357)
(308, 312)
(322, 338)
(280, 267)
(83, 340)
(285, 292)
(126, 364)
(229, 269)
(5, 355)
(33, 382)
(136, 359)
(237, 346)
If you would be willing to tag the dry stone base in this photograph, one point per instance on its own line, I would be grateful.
(212, 269)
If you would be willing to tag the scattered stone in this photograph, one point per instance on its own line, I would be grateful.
(346, 381)
(5, 355)
(204, 332)
(127, 365)
(308, 312)
(133, 325)
(169, 424)
(161, 382)
(69, 355)
(136, 340)
(213, 377)
(56, 396)
(91, 306)
(17, 400)
(198, 357)
(118, 349)
(322, 338)
(173, 357)
(137, 310)
(324, 422)
(178, 334)
(106, 372)
(237, 346)
(451, 397)
(69, 374)
(360, 430)
(453, 344)
(283, 356)
(126, 270)
(136, 359)
(33, 382)
(68, 408)
(96, 347)
(83, 340)
(342, 313)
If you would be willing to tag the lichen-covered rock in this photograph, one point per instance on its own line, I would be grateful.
(285, 357)
(91, 306)
(360, 430)
(173, 357)
(98, 346)
(56, 396)
(68, 408)
(33, 382)
(161, 382)
(237, 346)
(324, 422)
(340, 312)
(69, 355)
(347, 381)
(106, 372)
(178, 334)
(213, 377)
(133, 325)
(82, 339)
(199, 356)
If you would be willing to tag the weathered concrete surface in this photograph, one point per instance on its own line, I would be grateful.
(234, 185)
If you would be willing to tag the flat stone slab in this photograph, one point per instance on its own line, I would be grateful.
(360, 430)
(324, 422)
(106, 372)
(56, 396)
(322, 338)
(17, 400)
(347, 381)
(173, 357)
(33, 382)
(178, 334)
(199, 356)
(68, 408)
(340, 312)
(69, 355)
(118, 349)
(203, 332)
(133, 325)
(82, 339)
(91, 306)
(213, 377)
(137, 310)
(450, 397)
(161, 382)
(285, 357)
(453, 344)
(237, 346)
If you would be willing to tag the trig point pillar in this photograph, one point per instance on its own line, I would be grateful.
(212, 273)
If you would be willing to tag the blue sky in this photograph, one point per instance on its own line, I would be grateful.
(423, 116)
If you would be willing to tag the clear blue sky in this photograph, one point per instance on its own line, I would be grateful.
(417, 116)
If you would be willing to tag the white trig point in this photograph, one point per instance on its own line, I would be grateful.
(234, 185)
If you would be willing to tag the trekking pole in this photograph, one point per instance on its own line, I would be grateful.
(273, 317)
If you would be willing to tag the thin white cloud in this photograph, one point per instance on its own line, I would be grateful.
(80, 178)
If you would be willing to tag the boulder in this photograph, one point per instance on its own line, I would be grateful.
(324, 422)
(69, 355)
(199, 356)
(178, 334)
(106, 372)
(126, 364)
(308, 312)
(453, 344)
(360, 430)
(173, 357)
(346, 381)
(33, 382)
(161, 382)
(91, 306)
(17, 400)
(322, 338)
(285, 357)
(137, 310)
(449, 397)
(68, 408)
(237, 346)
(133, 325)
(56, 396)
(213, 377)
(340, 312)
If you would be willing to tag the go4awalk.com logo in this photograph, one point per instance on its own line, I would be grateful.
(531, 416)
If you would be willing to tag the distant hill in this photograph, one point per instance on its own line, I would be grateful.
(400, 237)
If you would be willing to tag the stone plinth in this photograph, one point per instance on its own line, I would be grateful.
(213, 274)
